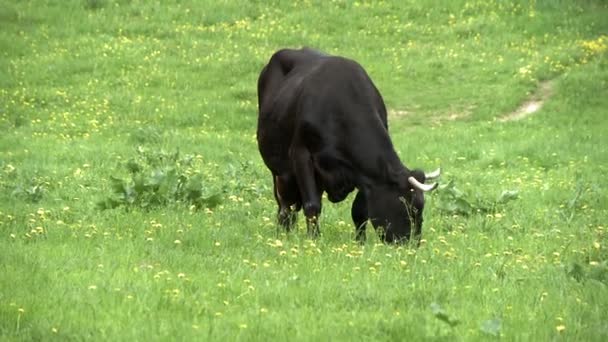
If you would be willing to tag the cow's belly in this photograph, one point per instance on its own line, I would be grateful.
(334, 177)
(338, 187)
(338, 194)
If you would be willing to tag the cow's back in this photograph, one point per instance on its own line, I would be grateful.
(332, 102)
(282, 66)
(338, 86)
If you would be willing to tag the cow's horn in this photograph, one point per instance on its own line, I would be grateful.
(433, 175)
(421, 186)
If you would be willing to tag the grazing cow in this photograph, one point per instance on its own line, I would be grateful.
(322, 128)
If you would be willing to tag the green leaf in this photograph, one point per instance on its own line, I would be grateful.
(168, 185)
(118, 185)
(139, 184)
(133, 166)
(160, 178)
(108, 203)
(491, 327)
(454, 201)
(463, 206)
(442, 315)
(194, 188)
(212, 201)
(576, 271)
(157, 177)
(194, 194)
(507, 196)
(599, 272)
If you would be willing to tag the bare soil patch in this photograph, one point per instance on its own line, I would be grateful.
(436, 119)
(532, 105)
(398, 113)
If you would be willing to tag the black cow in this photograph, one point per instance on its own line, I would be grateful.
(322, 127)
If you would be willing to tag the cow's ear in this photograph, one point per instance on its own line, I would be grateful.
(397, 178)
(419, 175)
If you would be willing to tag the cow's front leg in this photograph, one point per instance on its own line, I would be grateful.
(359, 214)
(309, 189)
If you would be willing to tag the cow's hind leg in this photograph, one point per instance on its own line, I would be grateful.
(288, 199)
(359, 214)
(309, 189)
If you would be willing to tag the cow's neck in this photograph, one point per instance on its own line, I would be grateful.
(389, 172)
(396, 173)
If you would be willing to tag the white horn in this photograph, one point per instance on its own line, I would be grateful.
(433, 175)
(420, 186)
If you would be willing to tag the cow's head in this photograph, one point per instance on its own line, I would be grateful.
(396, 210)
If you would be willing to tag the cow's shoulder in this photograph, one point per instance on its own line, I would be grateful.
(280, 78)
(289, 59)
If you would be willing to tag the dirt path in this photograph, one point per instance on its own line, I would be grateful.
(532, 105)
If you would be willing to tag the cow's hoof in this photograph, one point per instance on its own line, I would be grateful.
(312, 227)
(360, 237)
(287, 219)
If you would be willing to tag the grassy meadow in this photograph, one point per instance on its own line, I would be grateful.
(134, 204)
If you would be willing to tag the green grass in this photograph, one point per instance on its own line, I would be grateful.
(84, 85)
